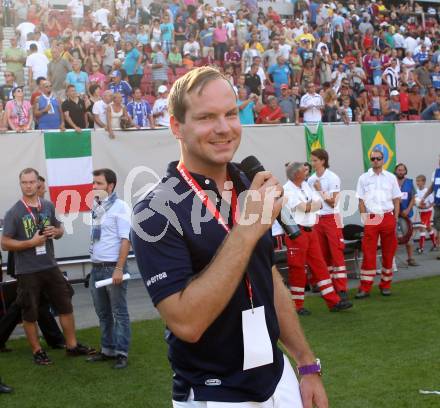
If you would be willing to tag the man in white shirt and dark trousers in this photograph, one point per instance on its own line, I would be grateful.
(303, 204)
(329, 226)
(109, 249)
(311, 105)
(379, 202)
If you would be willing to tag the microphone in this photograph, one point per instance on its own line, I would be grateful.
(98, 200)
(251, 166)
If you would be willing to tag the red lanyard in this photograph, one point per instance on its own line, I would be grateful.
(28, 209)
(210, 206)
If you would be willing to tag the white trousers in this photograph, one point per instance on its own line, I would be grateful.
(286, 395)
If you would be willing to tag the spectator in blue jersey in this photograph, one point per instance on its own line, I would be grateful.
(422, 55)
(279, 74)
(79, 79)
(140, 111)
(117, 85)
(132, 61)
(47, 109)
(246, 106)
(432, 112)
(435, 77)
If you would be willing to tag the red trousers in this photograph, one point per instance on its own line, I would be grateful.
(331, 242)
(386, 229)
(305, 250)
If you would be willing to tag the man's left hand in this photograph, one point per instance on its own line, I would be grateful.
(313, 392)
(117, 276)
(404, 213)
(50, 232)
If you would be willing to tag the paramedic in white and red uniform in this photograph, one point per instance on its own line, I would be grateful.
(379, 202)
(303, 204)
(329, 226)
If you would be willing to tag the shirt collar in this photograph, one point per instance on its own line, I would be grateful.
(371, 173)
(238, 178)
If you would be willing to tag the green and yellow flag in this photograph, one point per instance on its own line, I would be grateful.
(314, 140)
(381, 137)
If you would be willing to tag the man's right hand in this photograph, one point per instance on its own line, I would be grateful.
(263, 203)
(38, 240)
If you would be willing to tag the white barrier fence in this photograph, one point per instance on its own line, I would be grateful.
(139, 158)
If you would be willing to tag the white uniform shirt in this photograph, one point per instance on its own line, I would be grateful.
(297, 195)
(429, 201)
(115, 226)
(310, 102)
(378, 191)
(330, 183)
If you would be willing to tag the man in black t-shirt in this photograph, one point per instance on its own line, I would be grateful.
(30, 226)
(75, 110)
(253, 80)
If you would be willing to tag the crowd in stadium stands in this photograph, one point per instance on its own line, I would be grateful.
(109, 64)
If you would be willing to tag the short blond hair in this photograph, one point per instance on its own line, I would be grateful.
(194, 80)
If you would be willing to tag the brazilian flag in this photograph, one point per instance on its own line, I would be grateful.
(314, 140)
(380, 137)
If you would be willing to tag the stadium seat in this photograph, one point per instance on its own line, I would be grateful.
(414, 117)
(180, 71)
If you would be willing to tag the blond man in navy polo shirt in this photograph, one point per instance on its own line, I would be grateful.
(207, 262)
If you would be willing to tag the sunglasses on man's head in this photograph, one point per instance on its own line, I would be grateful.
(376, 158)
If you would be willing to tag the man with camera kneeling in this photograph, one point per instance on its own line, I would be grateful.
(29, 229)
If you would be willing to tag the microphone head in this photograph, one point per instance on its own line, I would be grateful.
(251, 166)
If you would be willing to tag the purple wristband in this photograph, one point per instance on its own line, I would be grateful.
(311, 369)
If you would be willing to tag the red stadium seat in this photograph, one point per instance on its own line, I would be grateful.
(414, 117)
(180, 71)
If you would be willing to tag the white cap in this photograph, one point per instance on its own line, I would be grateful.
(394, 93)
(162, 89)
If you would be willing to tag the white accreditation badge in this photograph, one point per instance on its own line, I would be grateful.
(40, 250)
(256, 341)
(437, 181)
(404, 195)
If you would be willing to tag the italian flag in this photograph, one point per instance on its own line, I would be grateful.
(69, 169)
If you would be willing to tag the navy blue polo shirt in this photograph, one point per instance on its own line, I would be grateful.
(212, 367)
